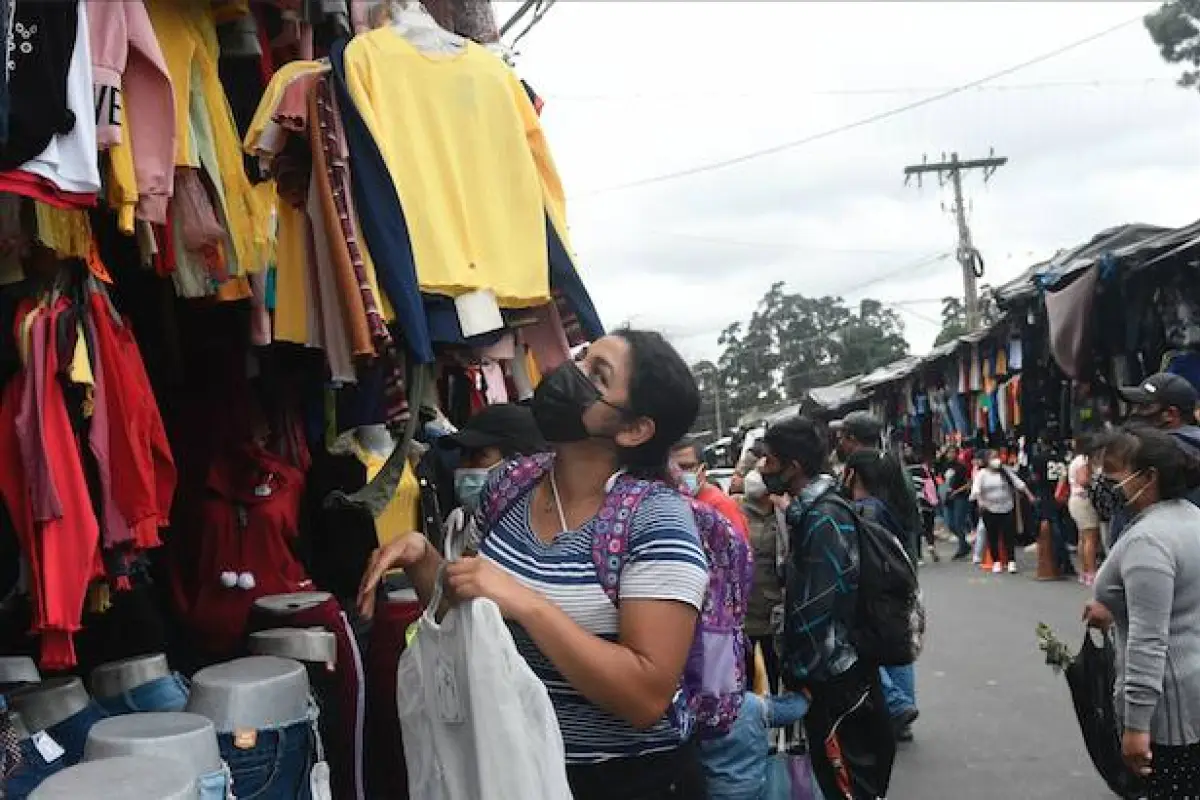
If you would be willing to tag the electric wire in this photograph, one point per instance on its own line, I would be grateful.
(873, 118)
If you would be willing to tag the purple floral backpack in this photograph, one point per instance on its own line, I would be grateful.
(714, 678)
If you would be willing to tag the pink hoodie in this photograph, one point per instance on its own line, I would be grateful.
(129, 67)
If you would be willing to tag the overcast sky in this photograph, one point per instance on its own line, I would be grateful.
(1097, 137)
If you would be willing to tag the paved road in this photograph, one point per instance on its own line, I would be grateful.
(996, 723)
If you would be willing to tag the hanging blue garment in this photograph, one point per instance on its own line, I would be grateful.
(958, 413)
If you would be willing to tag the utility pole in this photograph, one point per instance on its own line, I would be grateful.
(968, 257)
(717, 402)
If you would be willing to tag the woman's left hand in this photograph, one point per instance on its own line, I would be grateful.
(1135, 749)
(472, 577)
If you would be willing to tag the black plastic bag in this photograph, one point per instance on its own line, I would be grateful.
(1091, 677)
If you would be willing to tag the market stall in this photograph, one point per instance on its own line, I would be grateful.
(253, 255)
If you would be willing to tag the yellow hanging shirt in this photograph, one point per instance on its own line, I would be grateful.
(122, 180)
(466, 153)
(188, 37)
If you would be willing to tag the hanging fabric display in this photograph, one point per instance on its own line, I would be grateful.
(256, 258)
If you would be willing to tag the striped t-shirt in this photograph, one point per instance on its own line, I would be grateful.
(665, 562)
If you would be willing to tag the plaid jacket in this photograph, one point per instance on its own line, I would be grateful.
(822, 586)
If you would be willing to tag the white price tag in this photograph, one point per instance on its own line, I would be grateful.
(49, 749)
(318, 782)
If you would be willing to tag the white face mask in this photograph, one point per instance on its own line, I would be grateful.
(995, 463)
(754, 486)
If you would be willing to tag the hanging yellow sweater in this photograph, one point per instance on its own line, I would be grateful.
(469, 161)
(188, 37)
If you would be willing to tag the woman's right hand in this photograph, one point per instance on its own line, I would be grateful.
(1097, 615)
(405, 551)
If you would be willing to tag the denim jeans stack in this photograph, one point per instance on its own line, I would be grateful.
(273, 763)
(168, 693)
(30, 772)
(45, 753)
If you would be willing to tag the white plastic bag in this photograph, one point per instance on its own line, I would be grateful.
(477, 722)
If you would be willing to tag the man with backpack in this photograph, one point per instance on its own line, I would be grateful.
(830, 615)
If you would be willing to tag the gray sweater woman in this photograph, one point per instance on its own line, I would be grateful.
(1151, 584)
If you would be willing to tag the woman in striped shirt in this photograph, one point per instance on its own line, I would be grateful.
(611, 672)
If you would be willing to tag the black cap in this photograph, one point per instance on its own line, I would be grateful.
(1163, 389)
(506, 425)
(861, 425)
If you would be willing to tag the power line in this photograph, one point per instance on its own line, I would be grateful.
(849, 290)
(1132, 83)
(785, 377)
(774, 245)
(924, 301)
(740, 242)
(933, 259)
(779, 148)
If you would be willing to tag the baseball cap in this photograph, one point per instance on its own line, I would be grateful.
(505, 425)
(861, 425)
(1163, 389)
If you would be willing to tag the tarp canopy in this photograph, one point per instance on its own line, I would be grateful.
(1121, 242)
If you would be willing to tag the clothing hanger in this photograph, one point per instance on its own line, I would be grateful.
(410, 19)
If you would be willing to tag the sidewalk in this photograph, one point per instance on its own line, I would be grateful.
(996, 723)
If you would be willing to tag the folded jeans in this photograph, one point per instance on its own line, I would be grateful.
(274, 766)
(71, 734)
(29, 775)
(168, 693)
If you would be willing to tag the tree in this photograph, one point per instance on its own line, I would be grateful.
(1175, 28)
(792, 343)
(954, 320)
(873, 338)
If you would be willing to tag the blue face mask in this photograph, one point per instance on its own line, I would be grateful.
(468, 485)
(691, 482)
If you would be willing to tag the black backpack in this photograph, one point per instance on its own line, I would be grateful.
(889, 624)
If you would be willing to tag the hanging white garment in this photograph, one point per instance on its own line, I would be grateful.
(477, 722)
(70, 161)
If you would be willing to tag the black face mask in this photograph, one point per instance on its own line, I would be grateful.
(1107, 496)
(1160, 420)
(559, 403)
(776, 483)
